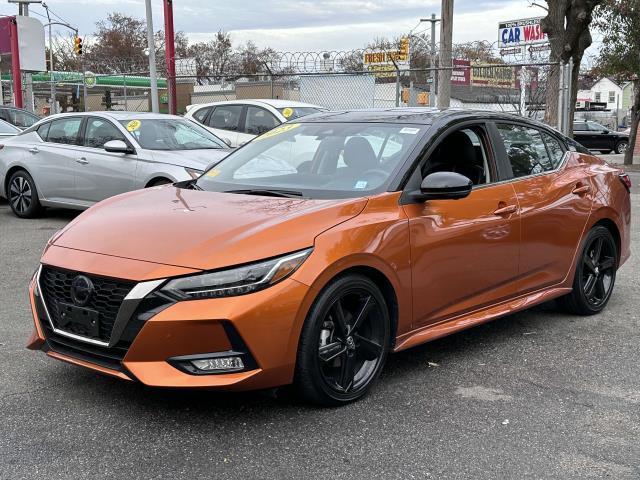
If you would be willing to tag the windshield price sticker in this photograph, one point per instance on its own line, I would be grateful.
(212, 173)
(133, 125)
(277, 131)
(287, 112)
(410, 130)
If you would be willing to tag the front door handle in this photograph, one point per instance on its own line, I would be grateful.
(580, 189)
(34, 150)
(508, 210)
(82, 160)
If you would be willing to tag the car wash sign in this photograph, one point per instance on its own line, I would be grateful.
(516, 33)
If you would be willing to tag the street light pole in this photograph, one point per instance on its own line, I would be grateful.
(153, 74)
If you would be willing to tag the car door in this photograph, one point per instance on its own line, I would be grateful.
(258, 120)
(582, 135)
(555, 202)
(101, 174)
(600, 136)
(464, 252)
(51, 161)
(225, 120)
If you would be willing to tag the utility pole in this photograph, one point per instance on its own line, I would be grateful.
(432, 73)
(153, 74)
(446, 42)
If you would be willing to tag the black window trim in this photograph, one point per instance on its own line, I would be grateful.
(426, 150)
(78, 141)
(540, 129)
(243, 111)
(259, 107)
(83, 127)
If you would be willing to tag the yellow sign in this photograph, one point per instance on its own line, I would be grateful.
(287, 112)
(278, 131)
(388, 56)
(213, 173)
(133, 125)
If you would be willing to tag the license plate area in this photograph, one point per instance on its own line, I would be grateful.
(74, 316)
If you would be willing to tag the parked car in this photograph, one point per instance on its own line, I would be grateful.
(240, 121)
(8, 130)
(17, 116)
(597, 137)
(74, 160)
(268, 270)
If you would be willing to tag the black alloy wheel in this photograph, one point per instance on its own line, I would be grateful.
(595, 274)
(344, 343)
(22, 195)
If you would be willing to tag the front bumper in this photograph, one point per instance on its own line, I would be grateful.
(266, 324)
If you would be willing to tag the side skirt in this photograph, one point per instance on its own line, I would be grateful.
(478, 317)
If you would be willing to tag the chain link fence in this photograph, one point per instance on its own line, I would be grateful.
(519, 89)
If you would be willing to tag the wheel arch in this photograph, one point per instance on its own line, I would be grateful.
(156, 178)
(386, 288)
(610, 225)
(13, 169)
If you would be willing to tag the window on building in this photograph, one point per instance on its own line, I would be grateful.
(612, 97)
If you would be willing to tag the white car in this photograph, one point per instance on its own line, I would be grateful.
(239, 121)
(73, 160)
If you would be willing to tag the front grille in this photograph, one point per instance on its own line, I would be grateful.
(108, 357)
(109, 293)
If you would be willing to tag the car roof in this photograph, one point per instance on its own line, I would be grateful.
(415, 115)
(275, 103)
(117, 115)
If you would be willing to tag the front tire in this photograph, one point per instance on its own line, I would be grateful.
(595, 274)
(344, 342)
(23, 195)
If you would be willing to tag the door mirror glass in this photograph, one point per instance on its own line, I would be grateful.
(117, 146)
(444, 186)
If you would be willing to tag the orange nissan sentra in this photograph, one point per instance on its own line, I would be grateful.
(311, 253)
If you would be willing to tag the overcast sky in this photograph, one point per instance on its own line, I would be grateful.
(299, 25)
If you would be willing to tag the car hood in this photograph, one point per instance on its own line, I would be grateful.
(197, 159)
(202, 230)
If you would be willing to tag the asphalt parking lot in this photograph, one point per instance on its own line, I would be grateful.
(539, 394)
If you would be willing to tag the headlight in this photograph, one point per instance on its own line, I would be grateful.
(236, 281)
(193, 173)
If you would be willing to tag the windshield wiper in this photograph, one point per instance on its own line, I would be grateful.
(268, 192)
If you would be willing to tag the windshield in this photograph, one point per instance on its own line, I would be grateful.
(171, 134)
(317, 160)
(291, 113)
(6, 127)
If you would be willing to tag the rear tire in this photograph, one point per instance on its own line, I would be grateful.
(621, 147)
(595, 274)
(23, 195)
(344, 342)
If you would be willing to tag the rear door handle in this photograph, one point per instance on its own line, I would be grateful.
(579, 190)
(509, 209)
(34, 150)
(82, 160)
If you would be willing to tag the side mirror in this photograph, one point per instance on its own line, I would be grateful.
(226, 140)
(605, 131)
(117, 146)
(443, 186)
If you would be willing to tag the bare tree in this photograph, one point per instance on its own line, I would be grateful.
(567, 25)
(619, 23)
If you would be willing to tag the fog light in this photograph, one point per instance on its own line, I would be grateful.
(220, 364)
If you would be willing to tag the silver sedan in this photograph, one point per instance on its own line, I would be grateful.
(73, 160)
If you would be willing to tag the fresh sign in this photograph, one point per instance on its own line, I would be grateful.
(521, 32)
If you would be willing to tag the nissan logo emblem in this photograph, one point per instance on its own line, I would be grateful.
(81, 290)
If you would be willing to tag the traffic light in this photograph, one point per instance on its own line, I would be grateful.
(77, 45)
